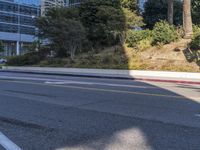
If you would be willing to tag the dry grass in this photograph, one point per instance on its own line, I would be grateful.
(169, 57)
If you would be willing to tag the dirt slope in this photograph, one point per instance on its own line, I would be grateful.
(168, 57)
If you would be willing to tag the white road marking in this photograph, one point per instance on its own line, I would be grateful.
(67, 82)
(7, 143)
(60, 82)
(28, 78)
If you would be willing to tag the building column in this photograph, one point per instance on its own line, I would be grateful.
(18, 48)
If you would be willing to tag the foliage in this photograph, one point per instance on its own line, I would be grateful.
(95, 24)
(144, 44)
(23, 60)
(63, 29)
(163, 33)
(132, 19)
(196, 11)
(130, 5)
(156, 10)
(134, 37)
(35, 46)
(104, 21)
(54, 62)
(119, 58)
(196, 30)
(30, 58)
(1, 47)
(195, 44)
(193, 54)
(107, 58)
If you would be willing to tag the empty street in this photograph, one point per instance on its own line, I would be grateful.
(46, 112)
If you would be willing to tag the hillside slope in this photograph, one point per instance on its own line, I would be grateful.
(169, 57)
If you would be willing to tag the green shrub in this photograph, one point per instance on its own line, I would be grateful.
(195, 44)
(163, 33)
(193, 55)
(134, 37)
(54, 62)
(196, 30)
(31, 58)
(144, 44)
(23, 60)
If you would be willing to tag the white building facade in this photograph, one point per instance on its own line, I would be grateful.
(46, 4)
(17, 25)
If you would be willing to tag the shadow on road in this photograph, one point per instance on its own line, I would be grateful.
(168, 123)
(147, 117)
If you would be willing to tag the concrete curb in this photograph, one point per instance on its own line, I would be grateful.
(154, 76)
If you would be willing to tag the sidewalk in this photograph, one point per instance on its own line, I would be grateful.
(156, 76)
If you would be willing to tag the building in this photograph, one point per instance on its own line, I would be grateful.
(46, 4)
(78, 2)
(17, 30)
(17, 22)
(73, 3)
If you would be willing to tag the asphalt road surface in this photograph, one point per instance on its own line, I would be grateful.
(43, 112)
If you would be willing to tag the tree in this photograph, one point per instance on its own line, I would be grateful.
(130, 4)
(1, 47)
(170, 11)
(61, 26)
(156, 10)
(196, 11)
(104, 21)
(132, 19)
(187, 19)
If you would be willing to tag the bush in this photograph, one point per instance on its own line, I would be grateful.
(163, 33)
(23, 60)
(27, 59)
(55, 62)
(195, 44)
(134, 37)
(195, 11)
(144, 44)
(193, 54)
(196, 30)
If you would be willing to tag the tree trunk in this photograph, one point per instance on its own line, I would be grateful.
(170, 13)
(187, 19)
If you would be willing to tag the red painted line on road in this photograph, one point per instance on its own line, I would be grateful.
(168, 81)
